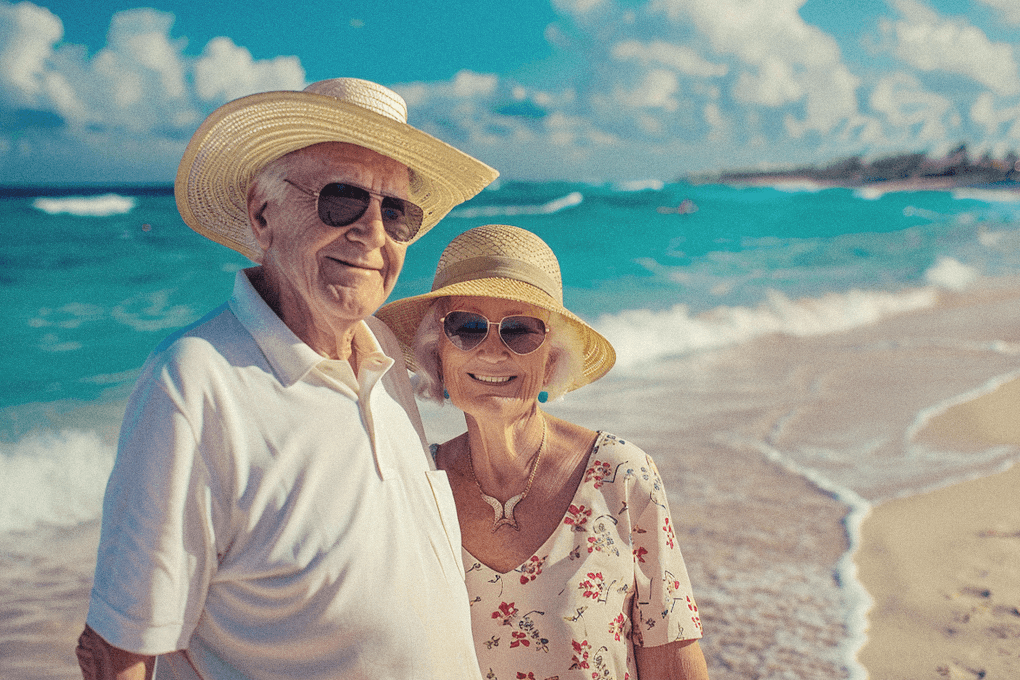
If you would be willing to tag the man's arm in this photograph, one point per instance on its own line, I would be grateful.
(681, 660)
(99, 660)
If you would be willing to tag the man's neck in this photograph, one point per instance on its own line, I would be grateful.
(324, 339)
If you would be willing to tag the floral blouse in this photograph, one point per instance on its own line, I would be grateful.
(610, 576)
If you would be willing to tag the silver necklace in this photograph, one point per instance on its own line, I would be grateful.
(504, 513)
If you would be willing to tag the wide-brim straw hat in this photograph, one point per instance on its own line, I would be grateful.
(505, 262)
(244, 135)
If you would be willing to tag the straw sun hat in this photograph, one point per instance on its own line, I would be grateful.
(244, 135)
(509, 263)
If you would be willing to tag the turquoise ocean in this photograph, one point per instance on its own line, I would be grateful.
(780, 350)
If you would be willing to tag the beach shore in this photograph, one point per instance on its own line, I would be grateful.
(47, 576)
(943, 567)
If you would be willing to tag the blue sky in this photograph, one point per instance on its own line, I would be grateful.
(591, 90)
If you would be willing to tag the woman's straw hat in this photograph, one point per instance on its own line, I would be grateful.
(509, 263)
(242, 136)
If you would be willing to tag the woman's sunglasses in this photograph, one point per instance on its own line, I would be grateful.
(521, 334)
(343, 204)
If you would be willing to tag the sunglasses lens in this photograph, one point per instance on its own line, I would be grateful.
(522, 334)
(344, 204)
(465, 329)
(401, 219)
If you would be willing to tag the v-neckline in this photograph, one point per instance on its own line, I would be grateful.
(599, 436)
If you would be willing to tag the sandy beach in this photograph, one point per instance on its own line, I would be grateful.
(44, 599)
(944, 567)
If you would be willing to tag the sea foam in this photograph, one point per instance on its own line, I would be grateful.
(53, 477)
(640, 335)
(106, 205)
(554, 206)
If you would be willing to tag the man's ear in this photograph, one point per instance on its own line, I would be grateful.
(257, 219)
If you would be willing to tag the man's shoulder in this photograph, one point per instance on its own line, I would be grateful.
(215, 337)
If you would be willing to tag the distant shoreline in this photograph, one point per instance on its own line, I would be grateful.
(905, 172)
(908, 184)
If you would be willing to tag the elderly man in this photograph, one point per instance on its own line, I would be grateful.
(273, 512)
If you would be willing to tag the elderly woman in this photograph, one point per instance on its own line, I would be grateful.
(573, 567)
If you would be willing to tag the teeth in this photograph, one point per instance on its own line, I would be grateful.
(491, 379)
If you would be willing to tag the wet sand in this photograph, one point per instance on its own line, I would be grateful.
(944, 567)
(47, 575)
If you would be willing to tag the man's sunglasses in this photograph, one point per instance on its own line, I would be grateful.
(343, 204)
(521, 334)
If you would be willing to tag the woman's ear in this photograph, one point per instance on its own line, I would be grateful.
(550, 369)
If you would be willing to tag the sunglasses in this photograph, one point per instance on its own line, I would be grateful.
(341, 204)
(521, 334)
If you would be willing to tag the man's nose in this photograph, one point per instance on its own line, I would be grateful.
(369, 228)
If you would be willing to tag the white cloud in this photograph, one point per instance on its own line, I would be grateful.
(780, 60)
(985, 114)
(656, 90)
(226, 71)
(1009, 10)
(579, 7)
(930, 42)
(27, 36)
(658, 52)
(468, 84)
(903, 103)
(131, 105)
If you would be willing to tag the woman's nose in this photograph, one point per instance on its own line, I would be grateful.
(493, 346)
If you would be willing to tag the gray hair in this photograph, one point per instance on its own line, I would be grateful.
(566, 350)
(268, 181)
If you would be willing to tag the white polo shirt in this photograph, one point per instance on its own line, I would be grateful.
(271, 516)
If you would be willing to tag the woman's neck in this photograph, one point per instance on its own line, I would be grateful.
(501, 453)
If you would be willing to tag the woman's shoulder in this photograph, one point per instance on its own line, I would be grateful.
(616, 459)
(614, 449)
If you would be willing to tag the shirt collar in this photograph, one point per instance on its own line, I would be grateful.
(290, 358)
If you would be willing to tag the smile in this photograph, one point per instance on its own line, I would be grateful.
(353, 265)
(495, 380)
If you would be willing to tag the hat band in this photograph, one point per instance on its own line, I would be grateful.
(495, 267)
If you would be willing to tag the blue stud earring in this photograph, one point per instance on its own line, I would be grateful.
(446, 395)
(543, 397)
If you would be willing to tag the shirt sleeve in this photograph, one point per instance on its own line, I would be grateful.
(664, 609)
(157, 549)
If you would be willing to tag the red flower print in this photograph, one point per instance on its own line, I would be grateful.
(506, 613)
(531, 569)
(695, 618)
(616, 626)
(520, 639)
(639, 554)
(592, 586)
(529, 676)
(577, 517)
(670, 536)
(598, 472)
(581, 650)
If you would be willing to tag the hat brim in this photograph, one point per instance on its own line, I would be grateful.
(242, 136)
(405, 315)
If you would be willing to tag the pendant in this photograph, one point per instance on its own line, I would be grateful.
(504, 515)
